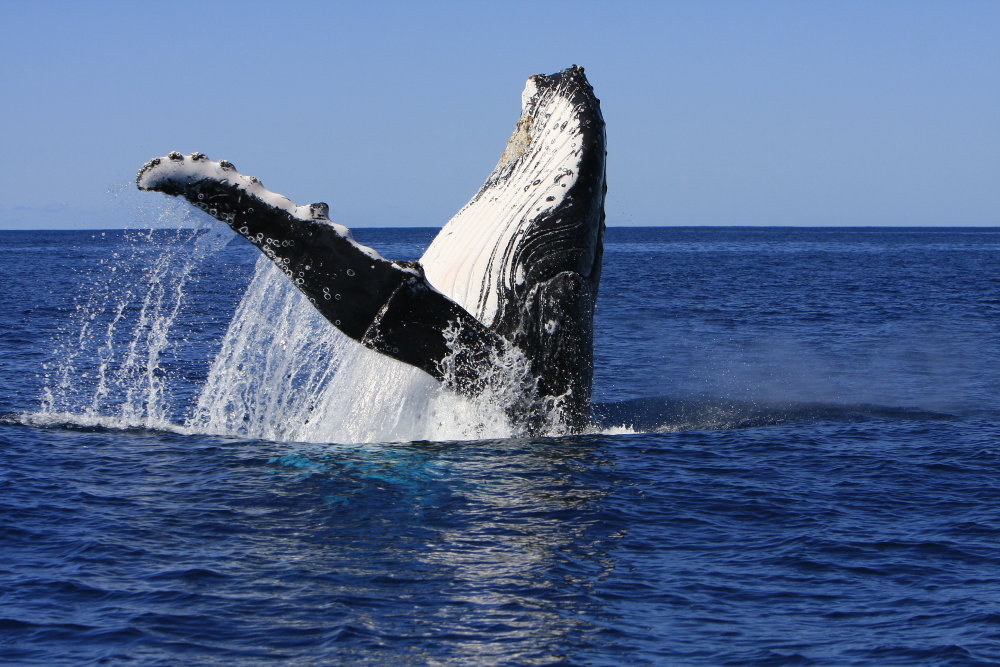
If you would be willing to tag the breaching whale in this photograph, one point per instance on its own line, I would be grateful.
(509, 282)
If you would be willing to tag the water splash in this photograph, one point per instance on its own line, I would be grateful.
(108, 365)
(283, 373)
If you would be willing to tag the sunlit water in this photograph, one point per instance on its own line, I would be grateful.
(794, 460)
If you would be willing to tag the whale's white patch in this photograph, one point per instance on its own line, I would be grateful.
(472, 267)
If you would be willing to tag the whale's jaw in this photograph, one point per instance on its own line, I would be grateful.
(513, 274)
(524, 255)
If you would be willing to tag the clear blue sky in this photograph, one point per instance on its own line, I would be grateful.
(718, 113)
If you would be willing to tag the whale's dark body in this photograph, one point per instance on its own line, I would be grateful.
(515, 272)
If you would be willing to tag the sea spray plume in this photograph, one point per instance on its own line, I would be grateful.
(112, 371)
(509, 283)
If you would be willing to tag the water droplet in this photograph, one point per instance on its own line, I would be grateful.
(337, 297)
(350, 272)
(249, 210)
(327, 296)
(337, 322)
(201, 196)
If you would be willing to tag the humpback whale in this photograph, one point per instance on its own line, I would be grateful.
(510, 282)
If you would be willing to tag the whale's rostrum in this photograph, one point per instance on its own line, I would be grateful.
(511, 280)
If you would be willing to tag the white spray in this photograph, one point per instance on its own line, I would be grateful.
(282, 372)
(107, 365)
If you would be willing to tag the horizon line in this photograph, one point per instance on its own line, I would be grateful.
(714, 226)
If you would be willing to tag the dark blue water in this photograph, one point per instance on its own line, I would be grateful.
(796, 461)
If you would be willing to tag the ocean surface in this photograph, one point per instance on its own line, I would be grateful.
(795, 460)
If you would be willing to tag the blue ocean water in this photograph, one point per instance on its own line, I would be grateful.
(795, 461)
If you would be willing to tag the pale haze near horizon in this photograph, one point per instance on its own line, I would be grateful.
(718, 113)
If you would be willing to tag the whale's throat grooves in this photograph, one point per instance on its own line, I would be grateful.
(524, 255)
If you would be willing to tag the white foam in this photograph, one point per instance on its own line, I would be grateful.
(284, 373)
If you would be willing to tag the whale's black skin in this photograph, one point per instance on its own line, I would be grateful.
(386, 306)
(391, 307)
(561, 256)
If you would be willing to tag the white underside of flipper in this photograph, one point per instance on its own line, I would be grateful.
(471, 259)
(197, 167)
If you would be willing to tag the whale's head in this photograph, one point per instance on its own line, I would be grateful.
(524, 255)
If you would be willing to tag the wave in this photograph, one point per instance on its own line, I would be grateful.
(450, 422)
(664, 414)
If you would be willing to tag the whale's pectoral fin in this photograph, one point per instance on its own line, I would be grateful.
(387, 306)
